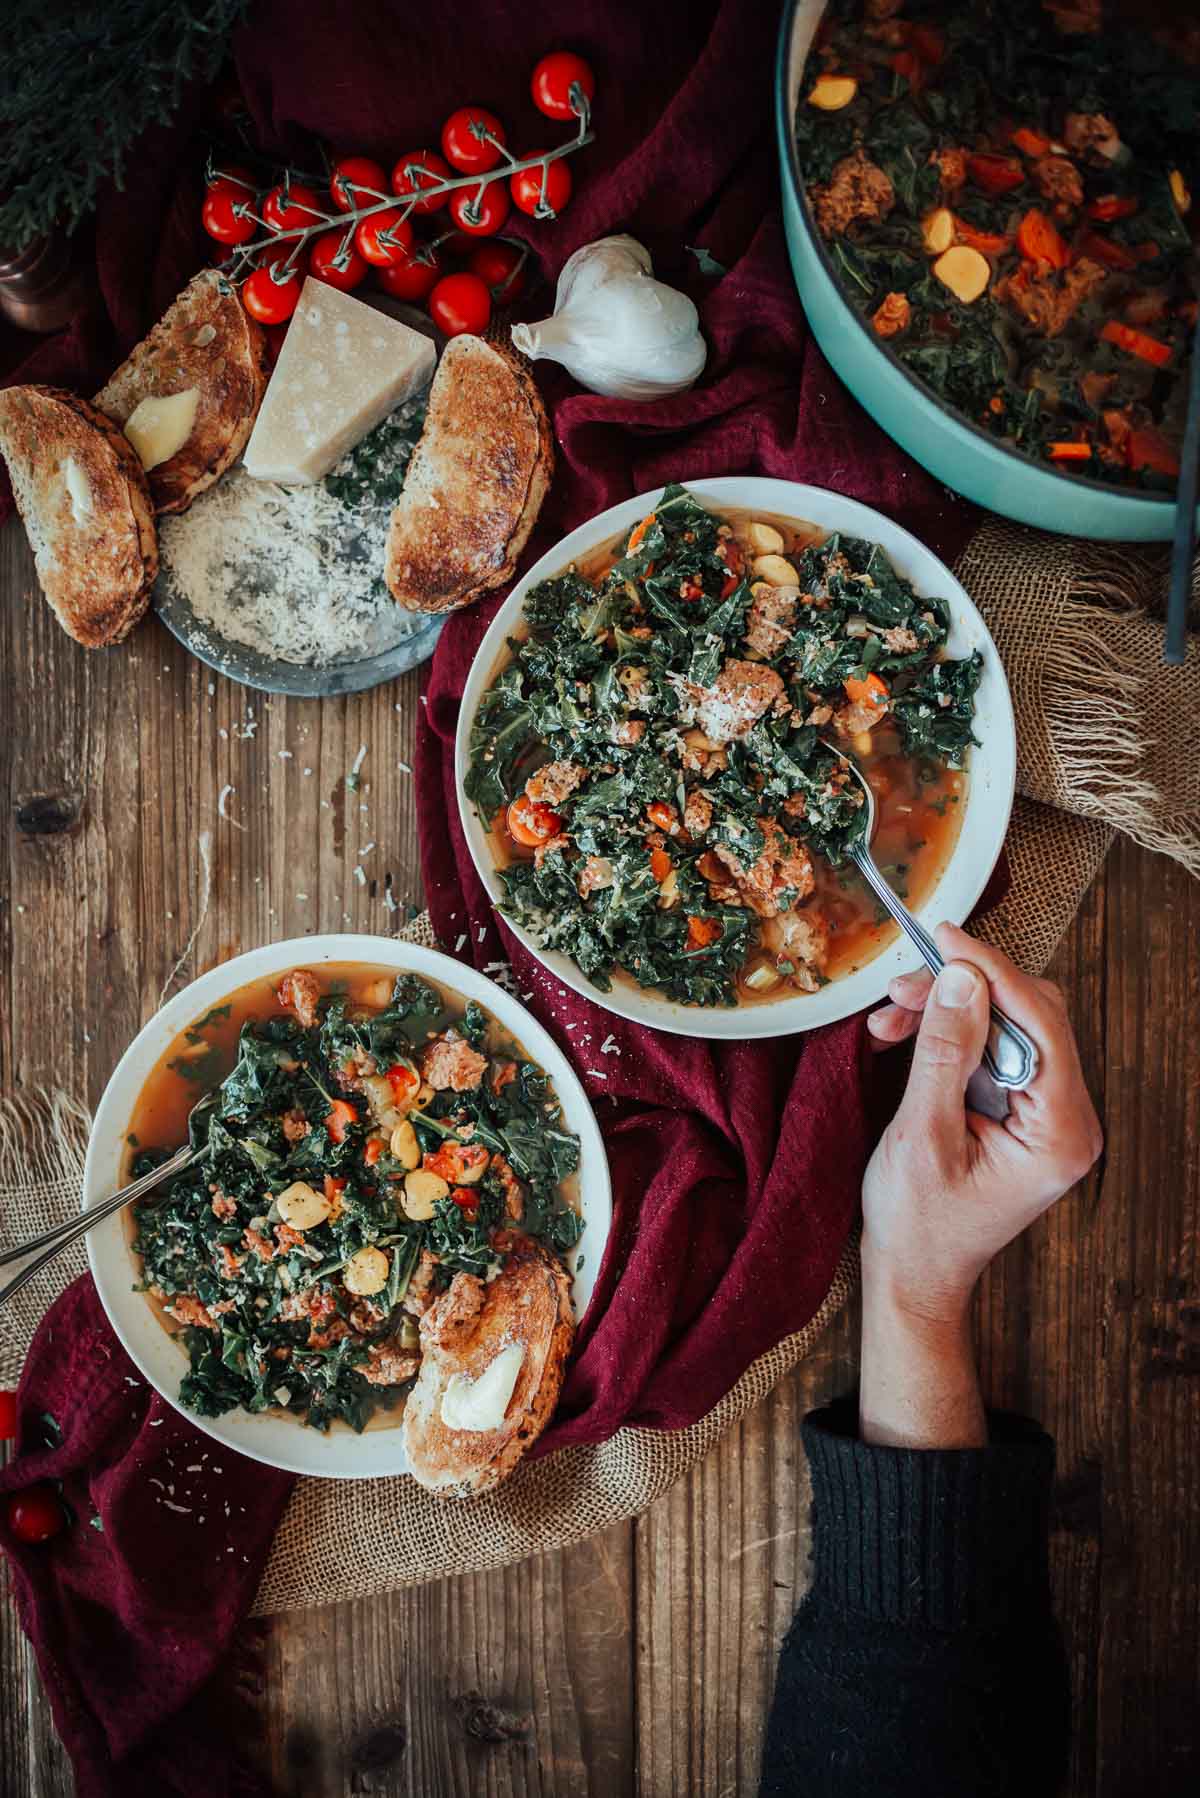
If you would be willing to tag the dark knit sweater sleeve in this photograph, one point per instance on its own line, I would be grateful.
(925, 1658)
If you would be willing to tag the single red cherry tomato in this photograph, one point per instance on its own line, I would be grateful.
(292, 210)
(327, 263)
(467, 1200)
(271, 298)
(542, 192)
(471, 140)
(460, 303)
(384, 237)
(480, 213)
(36, 1514)
(220, 219)
(8, 1415)
(414, 276)
(352, 175)
(417, 169)
(553, 81)
(502, 266)
(232, 178)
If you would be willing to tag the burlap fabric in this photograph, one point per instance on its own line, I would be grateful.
(1083, 653)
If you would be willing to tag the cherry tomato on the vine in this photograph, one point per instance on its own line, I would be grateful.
(467, 140)
(291, 209)
(36, 1514)
(220, 219)
(480, 213)
(417, 169)
(232, 178)
(270, 300)
(384, 237)
(413, 277)
(352, 176)
(502, 266)
(553, 80)
(327, 263)
(460, 303)
(542, 192)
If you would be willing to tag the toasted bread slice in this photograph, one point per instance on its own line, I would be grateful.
(462, 1333)
(85, 502)
(476, 481)
(206, 341)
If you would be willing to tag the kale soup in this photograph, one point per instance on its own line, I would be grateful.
(662, 759)
(372, 1136)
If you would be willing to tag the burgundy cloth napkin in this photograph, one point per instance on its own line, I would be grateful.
(735, 1167)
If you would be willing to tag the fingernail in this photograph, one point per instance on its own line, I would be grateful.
(954, 986)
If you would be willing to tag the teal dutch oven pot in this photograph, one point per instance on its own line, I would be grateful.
(966, 458)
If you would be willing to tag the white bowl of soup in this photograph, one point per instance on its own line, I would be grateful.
(939, 828)
(185, 1051)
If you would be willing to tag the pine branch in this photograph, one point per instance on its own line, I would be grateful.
(78, 86)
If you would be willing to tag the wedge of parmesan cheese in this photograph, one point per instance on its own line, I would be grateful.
(343, 367)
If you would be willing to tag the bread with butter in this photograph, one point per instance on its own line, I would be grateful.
(205, 345)
(476, 481)
(473, 1322)
(85, 502)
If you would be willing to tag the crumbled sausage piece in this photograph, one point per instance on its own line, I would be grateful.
(1047, 302)
(259, 1245)
(892, 315)
(631, 731)
(1056, 178)
(820, 714)
(952, 168)
(783, 865)
(289, 1238)
(596, 873)
(187, 1309)
(514, 1198)
(771, 619)
(550, 847)
(224, 1206)
(389, 1364)
(298, 993)
(419, 1294)
(740, 695)
(555, 782)
(697, 813)
(1091, 134)
(801, 937)
(857, 189)
(1072, 17)
(295, 1124)
(900, 640)
(450, 1062)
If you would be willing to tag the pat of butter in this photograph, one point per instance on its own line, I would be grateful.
(480, 1404)
(343, 367)
(79, 491)
(160, 425)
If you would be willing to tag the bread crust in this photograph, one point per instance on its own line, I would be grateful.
(462, 1333)
(207, 340)
(476, 481)
(96, 563)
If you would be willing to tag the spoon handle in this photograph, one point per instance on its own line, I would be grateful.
(53, 1242)
(1010, 1058)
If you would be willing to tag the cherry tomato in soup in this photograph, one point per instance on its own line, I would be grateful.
(502, 266)
(480, 213)
(337, 264)
(36, 1514)
(542, 191)
(414, 276)
(460, 303)
(270, 297)
(530, 822)
(472, 139)
(417, 169)
(292, 208)
(232, 178)
(357, 181)
(219, 217)
(553, 80)
(384, 237)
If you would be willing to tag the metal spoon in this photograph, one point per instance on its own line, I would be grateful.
(53, 1242)
(1010, 1059)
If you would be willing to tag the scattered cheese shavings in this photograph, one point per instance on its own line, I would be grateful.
(610, 1046)
(366, 851)
(285, 755)
(183, 1510)
(458, 945)
(352, 777)
(223, 797)
(482, 932)
(388, 900)
(360, 876)
(596, 1073)
(404, 767)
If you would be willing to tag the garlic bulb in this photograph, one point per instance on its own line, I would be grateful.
(615, 328)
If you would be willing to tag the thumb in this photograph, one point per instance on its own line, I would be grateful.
(949, 1044)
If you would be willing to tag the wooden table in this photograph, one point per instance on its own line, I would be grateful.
(643, 1659)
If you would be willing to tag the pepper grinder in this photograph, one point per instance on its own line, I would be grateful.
(42, 288)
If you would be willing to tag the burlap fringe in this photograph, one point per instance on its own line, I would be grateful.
(1099, 713)
(43, 1141)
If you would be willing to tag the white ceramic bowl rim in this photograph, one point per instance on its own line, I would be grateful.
(281, 1441)
(992, 768)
